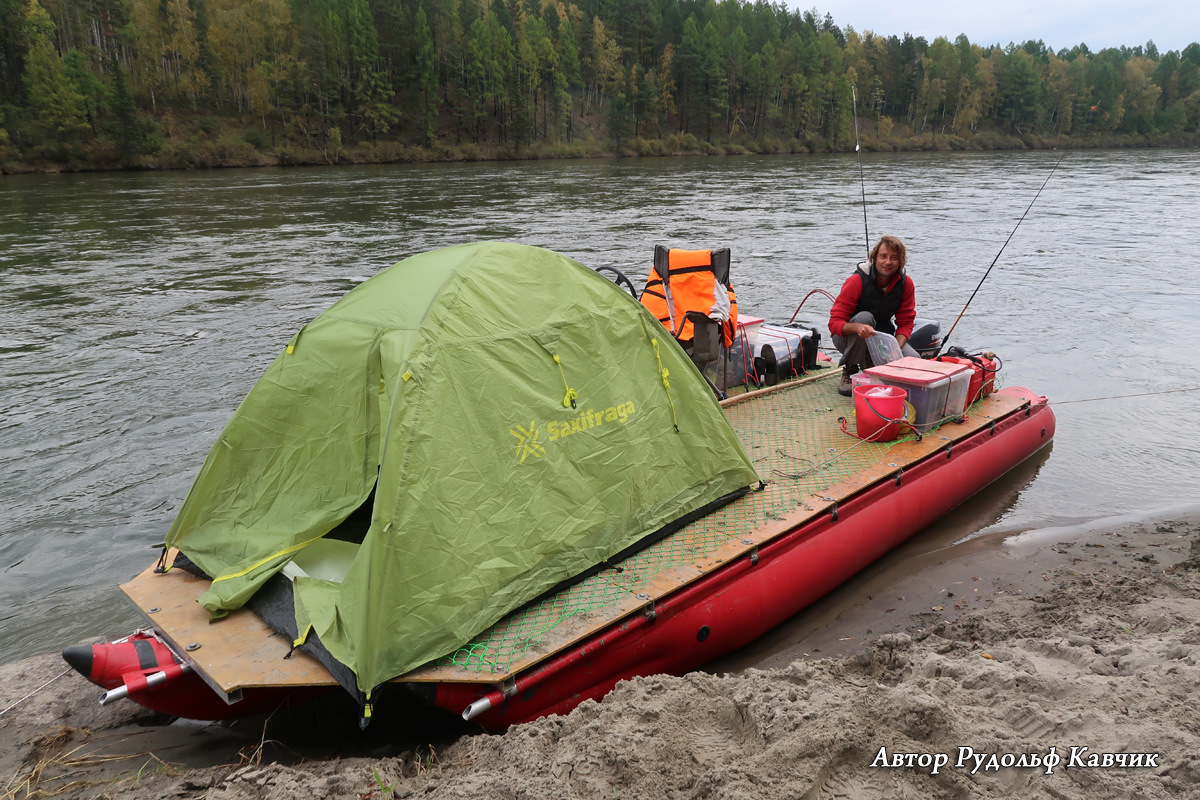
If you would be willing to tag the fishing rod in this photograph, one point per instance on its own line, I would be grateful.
(1006, 241)
(861, 181)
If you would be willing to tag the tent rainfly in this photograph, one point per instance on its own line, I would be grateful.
(508, 417)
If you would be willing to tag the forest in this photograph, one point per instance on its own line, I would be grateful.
(106, 84)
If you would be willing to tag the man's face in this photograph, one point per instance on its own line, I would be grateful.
(887, 262)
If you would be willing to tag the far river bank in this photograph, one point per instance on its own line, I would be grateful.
(230, 151)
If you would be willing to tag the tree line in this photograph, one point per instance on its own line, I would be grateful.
(186, 82)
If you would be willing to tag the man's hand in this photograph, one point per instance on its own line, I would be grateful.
(859, 329)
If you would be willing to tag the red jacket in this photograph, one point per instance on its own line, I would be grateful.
(846, 304)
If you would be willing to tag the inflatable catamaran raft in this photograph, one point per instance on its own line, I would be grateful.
(489, 477)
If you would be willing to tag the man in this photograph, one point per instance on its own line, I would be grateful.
(879, 296)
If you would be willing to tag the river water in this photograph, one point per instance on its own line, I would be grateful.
(137, 309)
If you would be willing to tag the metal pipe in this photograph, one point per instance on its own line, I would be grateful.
(154, 679)
(481, 705)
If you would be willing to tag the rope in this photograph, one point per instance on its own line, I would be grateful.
(571, 395)
(817, 467)
(35, 691)
(836, 456)
(1123, 396)
(916, 436)
(665, 375)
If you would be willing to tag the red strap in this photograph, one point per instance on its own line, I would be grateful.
(136, 681)
(172, 671)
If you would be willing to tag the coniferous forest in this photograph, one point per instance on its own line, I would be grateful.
(88, 84)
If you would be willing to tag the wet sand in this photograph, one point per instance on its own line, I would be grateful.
(925, 677)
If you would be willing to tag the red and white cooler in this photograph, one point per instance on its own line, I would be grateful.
(936, 389)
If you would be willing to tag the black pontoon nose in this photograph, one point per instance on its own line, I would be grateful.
(79, 656)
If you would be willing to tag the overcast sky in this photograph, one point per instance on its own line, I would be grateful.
(1172, 24)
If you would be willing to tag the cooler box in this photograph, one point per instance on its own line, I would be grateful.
(935, 389)
(960, 382)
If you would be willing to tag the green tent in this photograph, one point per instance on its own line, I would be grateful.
(515, 418)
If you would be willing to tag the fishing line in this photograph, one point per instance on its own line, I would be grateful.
(35, 691)
(1006, 241)
(1123, 396)
(861, 181)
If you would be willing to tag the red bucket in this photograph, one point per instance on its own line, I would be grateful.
(879, 411)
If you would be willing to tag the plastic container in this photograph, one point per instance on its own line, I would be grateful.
(879, 411)
(883, 348)
(975, 389)
(960, 382)
(928, 390)
(750, 326)
(739, 366)
(863, 379)
(785, 351)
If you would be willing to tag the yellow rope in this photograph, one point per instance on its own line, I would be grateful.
(665, 374)
(571, 395)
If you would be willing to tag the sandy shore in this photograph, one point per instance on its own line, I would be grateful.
(1066, 666)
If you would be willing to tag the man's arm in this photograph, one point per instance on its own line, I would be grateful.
(906, 315)
(844, 306)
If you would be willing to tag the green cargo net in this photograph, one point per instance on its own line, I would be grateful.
(795, 440)
(522, 631)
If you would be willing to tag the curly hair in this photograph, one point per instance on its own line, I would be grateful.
(896, 246)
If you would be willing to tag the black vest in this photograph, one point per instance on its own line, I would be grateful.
(882, 306)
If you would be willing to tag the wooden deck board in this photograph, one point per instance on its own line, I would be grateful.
(237, 652)
(240, 651)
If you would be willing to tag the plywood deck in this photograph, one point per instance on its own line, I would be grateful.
(793, 436)
(237, 652)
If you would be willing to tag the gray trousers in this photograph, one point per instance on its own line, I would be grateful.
(854, 348)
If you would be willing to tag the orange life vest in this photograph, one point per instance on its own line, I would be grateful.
(697, 280)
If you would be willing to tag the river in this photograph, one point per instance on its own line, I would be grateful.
(137, 309)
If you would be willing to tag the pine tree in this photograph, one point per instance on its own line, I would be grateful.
(130, 131)
(426, 80)
(56, 107)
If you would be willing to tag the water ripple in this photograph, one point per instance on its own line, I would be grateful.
(138, 309)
